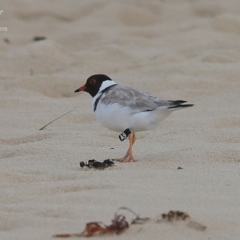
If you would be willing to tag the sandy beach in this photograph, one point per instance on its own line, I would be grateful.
(188, 50)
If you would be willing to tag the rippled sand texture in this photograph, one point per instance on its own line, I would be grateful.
(187, 49)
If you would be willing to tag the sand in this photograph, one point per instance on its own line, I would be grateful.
(176, 50)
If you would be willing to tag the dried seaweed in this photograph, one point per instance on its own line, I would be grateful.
(137, 219)
(95, 164)
(119, 224)
(177, 215)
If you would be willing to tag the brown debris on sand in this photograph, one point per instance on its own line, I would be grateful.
(120, 224)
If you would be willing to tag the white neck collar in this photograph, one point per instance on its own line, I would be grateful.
(106, 84)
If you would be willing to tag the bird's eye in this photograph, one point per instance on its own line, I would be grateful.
(92, 81)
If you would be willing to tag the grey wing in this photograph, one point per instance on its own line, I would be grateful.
(137, 100)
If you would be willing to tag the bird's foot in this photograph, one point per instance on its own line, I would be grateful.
(128, 158)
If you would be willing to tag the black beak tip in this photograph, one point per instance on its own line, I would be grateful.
(77, 90)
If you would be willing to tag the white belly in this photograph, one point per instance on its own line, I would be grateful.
(118, 118)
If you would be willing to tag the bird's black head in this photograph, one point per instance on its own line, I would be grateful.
(93, 84)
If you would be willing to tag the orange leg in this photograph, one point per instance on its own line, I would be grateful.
(129, 154)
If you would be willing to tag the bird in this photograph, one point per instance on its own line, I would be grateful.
(127, 110)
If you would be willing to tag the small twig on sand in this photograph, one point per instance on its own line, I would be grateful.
(57, 118)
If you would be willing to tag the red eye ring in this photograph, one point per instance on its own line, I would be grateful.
(92, 81)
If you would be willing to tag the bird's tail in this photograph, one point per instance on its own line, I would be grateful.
(177, 104)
